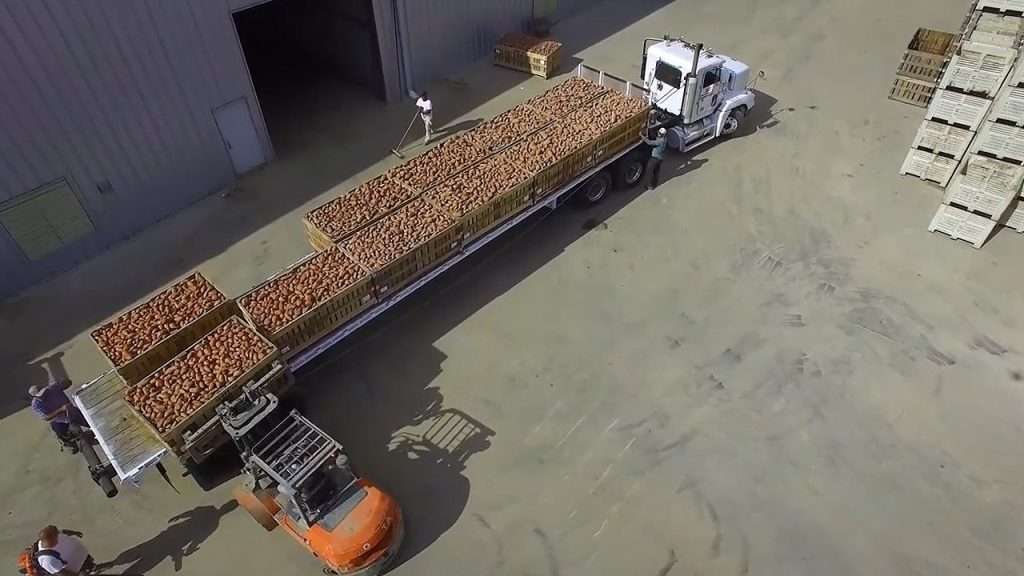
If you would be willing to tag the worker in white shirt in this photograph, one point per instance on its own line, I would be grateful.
(61, 552)
(426, 113)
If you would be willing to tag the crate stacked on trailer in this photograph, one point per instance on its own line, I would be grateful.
(182, 395)
(403, 223)
(526, 53)
(145, 337)
(310, 298)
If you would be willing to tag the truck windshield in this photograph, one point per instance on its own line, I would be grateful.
(668, 74)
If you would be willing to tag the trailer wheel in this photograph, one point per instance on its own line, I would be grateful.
(594, 190)
(629, 171)
(260, 505)
(733, 122)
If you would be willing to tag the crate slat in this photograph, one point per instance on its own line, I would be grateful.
(931, 41)
(978, 68)
(1009, 106)
(962, 225)
(1001, 6)
(943, 139)
(1001, 141)
(912, 91)
(995, 29)
(956, 108)
(1016, 219)
(929, 166)
(985, 185)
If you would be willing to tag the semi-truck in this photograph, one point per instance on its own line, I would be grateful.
(296, 475)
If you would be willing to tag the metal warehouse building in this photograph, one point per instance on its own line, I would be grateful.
(116, 113)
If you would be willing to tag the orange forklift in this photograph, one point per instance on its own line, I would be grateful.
(299, 478)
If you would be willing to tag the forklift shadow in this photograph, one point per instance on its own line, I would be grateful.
(383, 407)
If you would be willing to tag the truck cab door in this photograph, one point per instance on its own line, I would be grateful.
(710, 92)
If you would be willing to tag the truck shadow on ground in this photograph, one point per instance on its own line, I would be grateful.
(185, 533)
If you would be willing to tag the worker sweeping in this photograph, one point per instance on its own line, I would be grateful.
(426, 114)
(658, 146)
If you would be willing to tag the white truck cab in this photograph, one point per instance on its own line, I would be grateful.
(696, 94)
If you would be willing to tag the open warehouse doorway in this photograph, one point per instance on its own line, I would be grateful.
(314, 64)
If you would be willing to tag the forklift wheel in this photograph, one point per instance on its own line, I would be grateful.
(260, 505)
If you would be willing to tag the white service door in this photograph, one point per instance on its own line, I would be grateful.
(239, 134)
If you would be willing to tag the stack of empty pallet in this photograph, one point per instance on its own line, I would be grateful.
(971, 141)
(923, 62)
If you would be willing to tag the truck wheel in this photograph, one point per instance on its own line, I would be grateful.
(733, 122)
(260, 505)
(594, 190)
(629, 171)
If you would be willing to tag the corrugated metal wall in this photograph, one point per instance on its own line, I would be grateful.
(441, 36)
(118, 91)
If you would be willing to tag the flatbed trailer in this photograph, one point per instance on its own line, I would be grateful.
(131, 447)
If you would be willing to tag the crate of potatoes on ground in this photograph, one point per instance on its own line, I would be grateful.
(403, 244)
(508, 128)
(145, 337)
(326, 225)
(182, 395)
(439, 163)
(528, 54)
(298, 306)
(484, 194)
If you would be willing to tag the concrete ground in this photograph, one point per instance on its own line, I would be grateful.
(765, 366)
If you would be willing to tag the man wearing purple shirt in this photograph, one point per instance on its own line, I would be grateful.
(52, 404)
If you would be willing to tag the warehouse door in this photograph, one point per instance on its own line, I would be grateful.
(315, 66)
(239, 134)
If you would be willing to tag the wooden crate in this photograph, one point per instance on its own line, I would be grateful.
(910, 91)
(516, 58)
(175, 437)
(482, 219)
(321, 319)
(545, 65)
(926, 55)
(201, 441)
(318, 239)
(929, 41)
(407, 267)
(606, 145)
(144, 364)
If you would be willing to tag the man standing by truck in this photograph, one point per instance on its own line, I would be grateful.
(51, 403)
(658, 146)
(426, 114)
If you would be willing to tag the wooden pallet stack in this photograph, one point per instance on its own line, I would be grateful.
(918, 74)
(971, 142)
